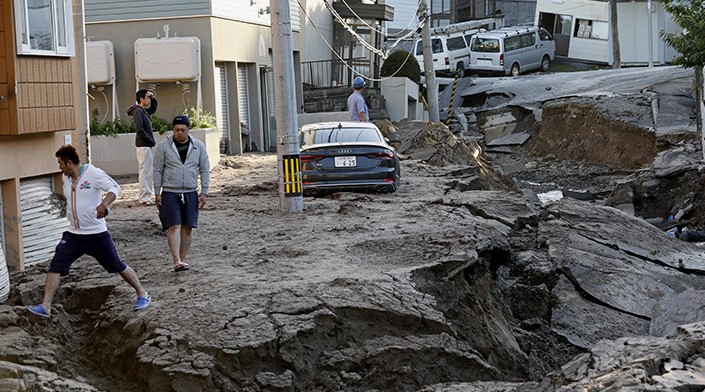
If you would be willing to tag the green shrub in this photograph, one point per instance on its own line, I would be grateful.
(405, 64)
(159, 125)
(110, 128)
(200, 119)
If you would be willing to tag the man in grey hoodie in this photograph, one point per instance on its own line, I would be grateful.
(178, 161)
(144, 141)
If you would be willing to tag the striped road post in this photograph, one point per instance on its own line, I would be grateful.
(452, 97)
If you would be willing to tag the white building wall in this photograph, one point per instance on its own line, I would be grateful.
(401, 97)
(633, 30)
(256, 11)
(584, 9)
(315, 47)
(589, 49)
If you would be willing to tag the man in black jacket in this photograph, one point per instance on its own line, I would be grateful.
(144, 141)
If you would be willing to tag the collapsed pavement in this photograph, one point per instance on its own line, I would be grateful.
(461, 280)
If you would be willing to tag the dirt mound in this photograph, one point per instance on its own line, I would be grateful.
(576, 129)
(436, 145)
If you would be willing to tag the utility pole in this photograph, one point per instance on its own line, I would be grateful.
(651, 34)
(429, 72)
(614, 27)
(288, 155)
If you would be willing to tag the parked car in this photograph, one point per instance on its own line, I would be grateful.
(343, 156)
(451, 52)
(512, 50)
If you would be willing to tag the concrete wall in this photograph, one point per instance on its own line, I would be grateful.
(117, 156)
(401, 96)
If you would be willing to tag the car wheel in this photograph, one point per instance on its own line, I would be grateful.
(515, 69)
(545, 64)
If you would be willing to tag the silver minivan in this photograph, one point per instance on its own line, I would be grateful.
(512, 50)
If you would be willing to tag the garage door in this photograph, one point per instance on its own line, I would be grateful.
(221, 107)
(43, 219)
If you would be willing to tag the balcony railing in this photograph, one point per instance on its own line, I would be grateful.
(331, 73)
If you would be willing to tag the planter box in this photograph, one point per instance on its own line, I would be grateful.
(117, 156)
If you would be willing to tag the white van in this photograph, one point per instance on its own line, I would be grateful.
(512, 50)
(451, 52)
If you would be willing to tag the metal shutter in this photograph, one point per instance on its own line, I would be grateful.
(4, 277)
(221, 105)
(243, 103)
(271, 105)
(295, 15)
(43, 219)
(242, 95)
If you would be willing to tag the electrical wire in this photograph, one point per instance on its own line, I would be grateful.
(343, 60)
(380, 31)
(352, 31)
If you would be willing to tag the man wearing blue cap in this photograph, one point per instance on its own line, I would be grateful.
(178, 161)
(356, 102)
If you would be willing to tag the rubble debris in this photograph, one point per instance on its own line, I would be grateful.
(513, 139)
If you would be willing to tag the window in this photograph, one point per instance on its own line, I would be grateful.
(487, 45)
(563, 24)
(544, 35)
(456, 43)
(512, 43)
(528, 40)
(594, 29)
(436, 45)
(44, 27)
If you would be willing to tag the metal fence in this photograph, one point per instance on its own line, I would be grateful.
(331, 73)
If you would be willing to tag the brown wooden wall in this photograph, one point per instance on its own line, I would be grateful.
(44, 99)
(44, 94)
(6, 47)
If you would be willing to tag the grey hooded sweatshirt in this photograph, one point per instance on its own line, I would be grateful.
(171, 175)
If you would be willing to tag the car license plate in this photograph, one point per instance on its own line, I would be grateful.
(484, 62)
(345, 161)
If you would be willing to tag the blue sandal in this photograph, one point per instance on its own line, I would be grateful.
(38, 310)
(142, 302)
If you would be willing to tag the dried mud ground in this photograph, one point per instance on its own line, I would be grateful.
(247, 254)
(255, 267)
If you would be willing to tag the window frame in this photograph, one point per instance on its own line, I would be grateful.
(590, 29)
(58, 8)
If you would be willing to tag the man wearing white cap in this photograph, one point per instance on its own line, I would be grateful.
(356, 102)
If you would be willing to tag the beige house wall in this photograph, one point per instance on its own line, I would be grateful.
(222, 40)
(171, 97)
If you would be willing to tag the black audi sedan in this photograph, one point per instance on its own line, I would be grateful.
(341, 156)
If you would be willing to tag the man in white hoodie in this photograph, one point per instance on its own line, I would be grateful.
(86, 210)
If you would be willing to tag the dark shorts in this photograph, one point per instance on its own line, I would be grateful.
(179, 209)
(72, 246)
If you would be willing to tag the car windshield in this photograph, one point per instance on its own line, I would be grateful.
(339, 135)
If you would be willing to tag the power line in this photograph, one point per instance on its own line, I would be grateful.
(343, 60)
